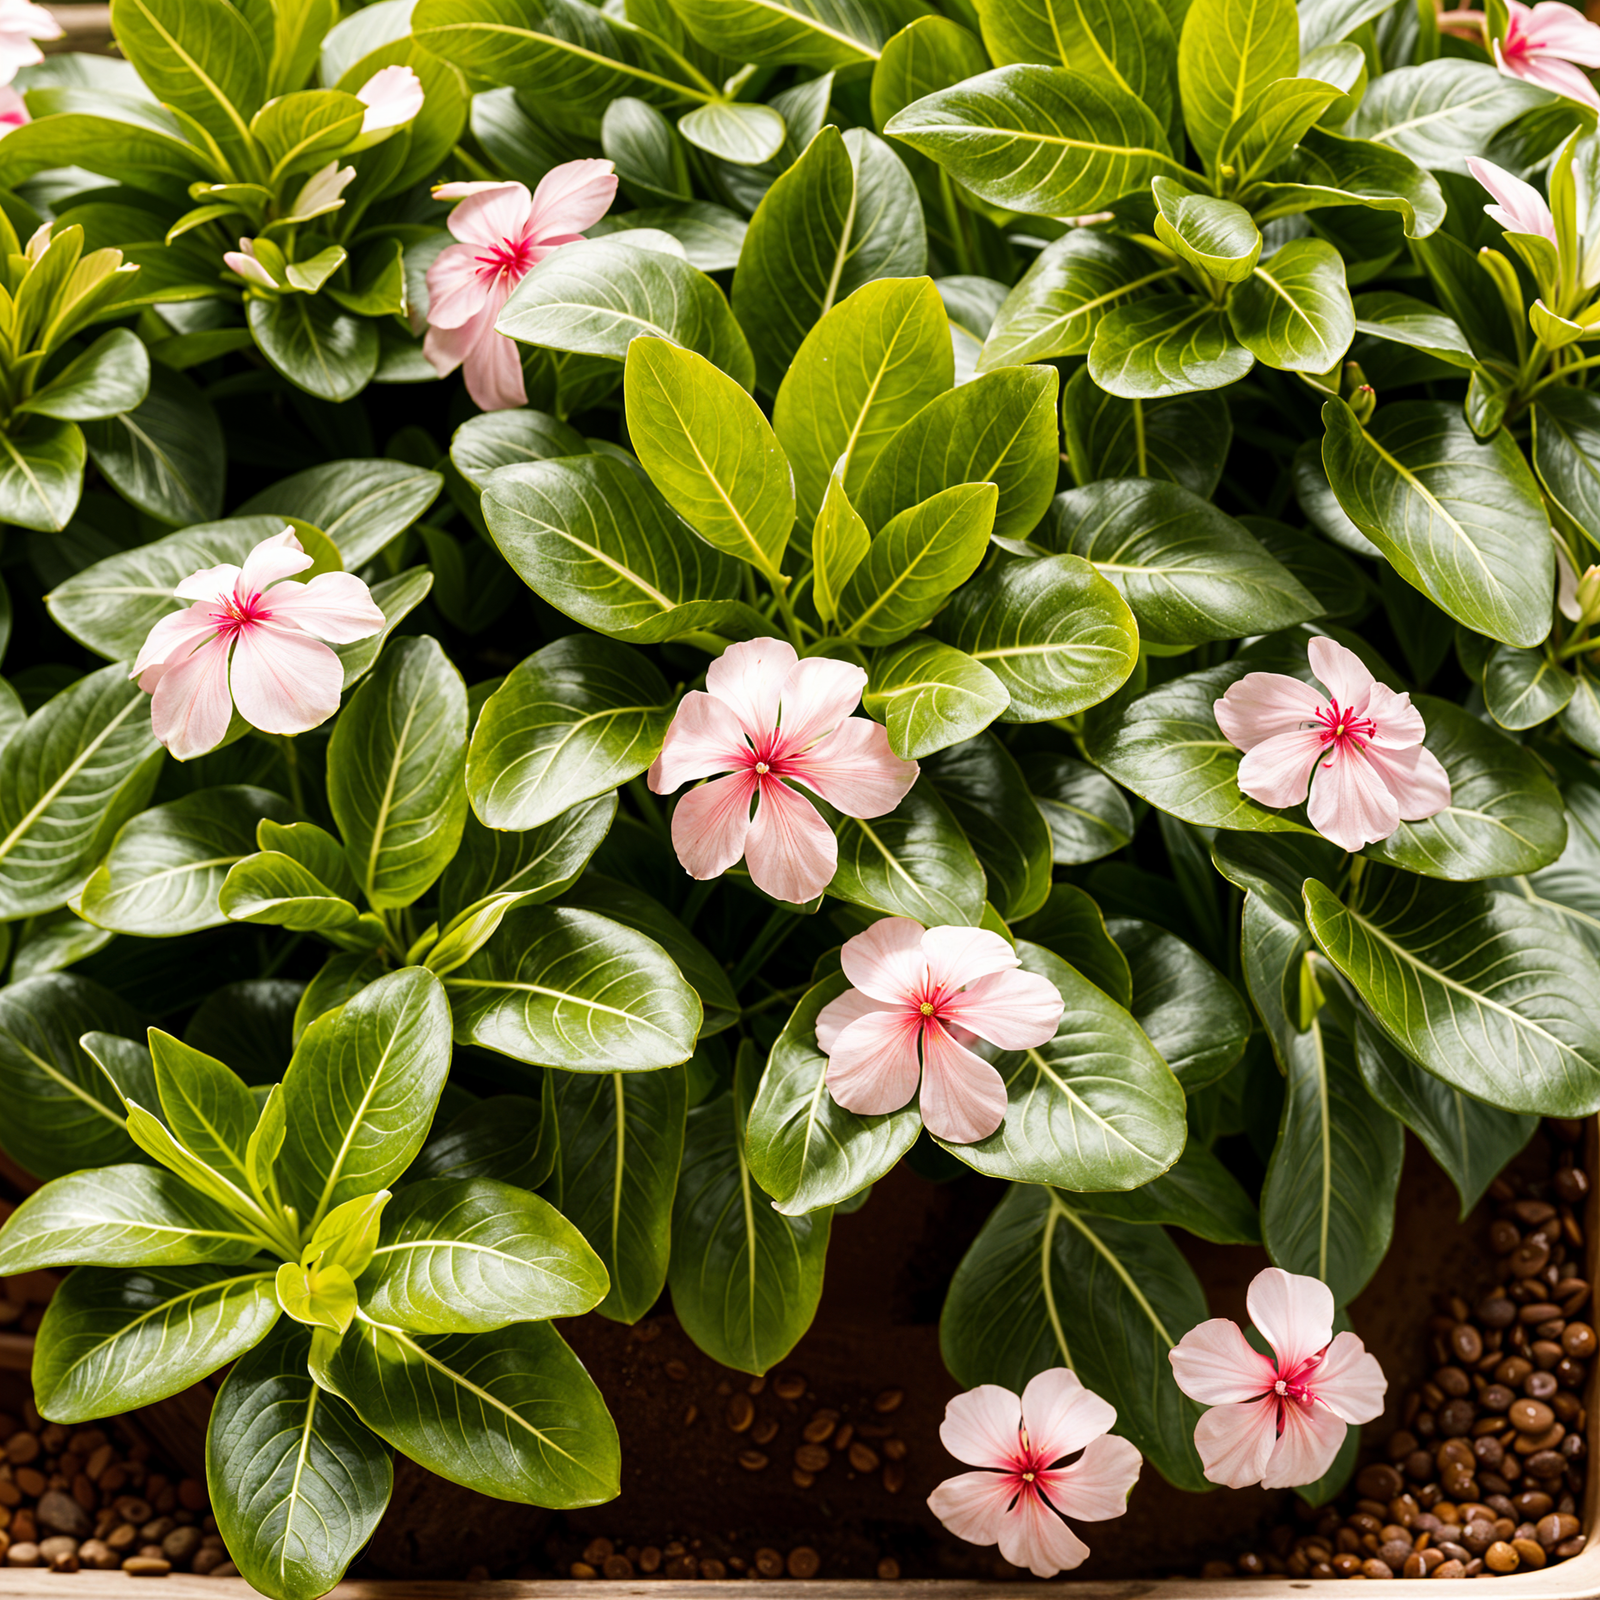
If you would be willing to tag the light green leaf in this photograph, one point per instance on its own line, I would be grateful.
(812, 33)
(1164, 345)
(274, 888)
(1183, 439)
(41, 474)
(930, 695)
(839, 544)
(1217, 236)
(929, 53)
(1294, 312)
(361, 505)
(1228, 52)
(498, 438)
(733, 130)
(112, 375)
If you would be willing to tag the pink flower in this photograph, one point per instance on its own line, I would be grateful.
(393, 96)
(249, 266)
(21, 23)
(938, 987)
(1018, 1501)
(1364, 741)
(13, 110)
(1543, 42)
(504, 231)
(1277, 1421)
(282, 678)
(767, 717)
(1522, 208)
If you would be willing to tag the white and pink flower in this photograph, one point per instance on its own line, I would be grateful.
(252, 640)
(1026, 1487)
(1277, 1420)
(769, 721)
(936, 988)
(13, 110)
(22, 25)
(1548, 44)
(393, 96)
(504, 231)
(1361, 740)
(1520, 207)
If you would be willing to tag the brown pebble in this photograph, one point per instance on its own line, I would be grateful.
(863, 1457)
(841, 1440)
(689, 1414)
(765, 1430)
(582, 1569)
(1531, 1552)
(21, 1448)
(1449, 1569)
(713, 1569)
(802, 1479)
(1501, 1557)
(889, 1400)
(812, 1458)
(649, 1559)
(191, 1494)
(752, 1461)
(757, 1385)
(888, 1569)
(98, 1554)
(65, 1561)
(1531, 1416)
(1568, 1548)
(741, 1412)
(1374, 1568)
(789, 1385)
(596, 1551)
(1379, 1482)
(1466, 1342)
(894, 1477)
(226, 1570)
(676, 1370)
(1579, 1340)
(147, 1566)
(769, 1562)
(803, 1562)
(820, 1428)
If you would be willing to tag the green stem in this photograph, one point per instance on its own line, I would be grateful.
(649, 807)
(480, 172)
(791, 622)
(1561, 372)
(291, 762)
(954, 221)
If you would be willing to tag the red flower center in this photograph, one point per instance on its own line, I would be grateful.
(233, 615)
(1023, 1470)
(1341, 727)
(512, 257)
(1294, 1386)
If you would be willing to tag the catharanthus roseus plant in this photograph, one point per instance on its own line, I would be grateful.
(792, 631)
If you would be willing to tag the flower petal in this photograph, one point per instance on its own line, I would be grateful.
(281, 556)
(1096, 1486)
(209, 583)
(981, 1426)
(886, 960)
(711, 824)
(392, 96)
(336, 606)
(1277, 771)
(190, 709)
(704, 738)
(1563, 31)
(1292, 1312)
(1062, 1416)
(174, 636)
(854, 769)
(1349, 1381)
(457, 290)
(873, 1067)
(284, 681)
(571, 197)
(1548, 72)
(1350, 802)
(1415, 777)
(748, 678)
(791, 851)
(1521, 208)
(492, 367)
(958, 956)
(1262, 705)
(963, 1099)
(838, 1014)
(492, 216)
(1399, 722)
(1340, 672)
(1015, 1010)
(1214, 1364)
(973, 1505)
(818, 694)
(1033, 1536)
(1305, 1449)
(1235, 1441)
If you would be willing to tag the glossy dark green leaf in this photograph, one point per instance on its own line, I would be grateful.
(1197, 1193)
(112, 375)
(1294, 311)
(41, 474)
(1566, 450)
(1166, 344)
(930, 52)
(1070, 925)
(167, 455)
(1329, 170)
(498, 438)
(1089, 816)
(930, 695)
(508, 1137)
(315, 344)
(1183, 439)
(914, 862)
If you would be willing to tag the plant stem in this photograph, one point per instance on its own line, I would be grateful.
(291, 762)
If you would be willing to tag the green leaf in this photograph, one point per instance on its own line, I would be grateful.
(1058, 302)
(1045, 1285)
(497, 438)
(1164, 345)
(595, 296)
(509, 1413)
(361, 505)
(915, 862)
(1294, 311)
(802, 1146)
(298, 1482)
(566, 988)
(206, 1108)
(301, 130)
(864, 371)
(1401, 319)
(710, 452)
(114, 1339)
(1568, 888)
(1267, 130)
(509, 1137)
(841, 216)
(1093, 1108)
(929, 53)
(999, 428)
(1197, 1194)
(648, 156)
(988, 796)
(916, 562)
(1449, 510)
(745, 1279)
(1470, 1140)
(395, 768)
(121, 1216)
(1581, 719)
(1089, 816)
(1566, 448)
(360, 1092)
(1504, 817)
(167, 865)
(1189, 572)
(274, 888)
(811, 33)
(1188, 1010)
(1054, 632)
(1039, 139)
(621, 1142)
(1327, 170)
(596, 541)
(396, 598)
(1167, 748)
(79, 768)
(1228, 52)
(1486, 991)
(41, 474)
(316, 345)
(468, 1255)
(63, 1112)
(1217, 236)
(112, 375)
(1183, 439)
(839, 544)
(167, 455)
(572, 722)
(930, 695)
(1070, 926)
